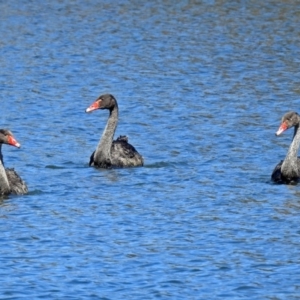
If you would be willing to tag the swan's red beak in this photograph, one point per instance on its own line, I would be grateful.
(283, 127)
(94, 106)
(12, 141)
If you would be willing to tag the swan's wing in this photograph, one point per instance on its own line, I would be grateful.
(276, 174)
(124, 154)
(91, 163)
(17, 185)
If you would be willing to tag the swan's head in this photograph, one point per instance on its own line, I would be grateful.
(6, 137)
(106, 101)
(290, 119)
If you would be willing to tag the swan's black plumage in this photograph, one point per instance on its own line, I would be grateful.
(10, 181)
(288, 170)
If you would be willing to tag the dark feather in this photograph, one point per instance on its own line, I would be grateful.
(17, 185)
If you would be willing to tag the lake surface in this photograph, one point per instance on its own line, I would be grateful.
(201, 86)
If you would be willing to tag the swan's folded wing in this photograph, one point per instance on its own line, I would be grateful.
(124, 154)
(17, 185)
(91, 163)
(276, 174)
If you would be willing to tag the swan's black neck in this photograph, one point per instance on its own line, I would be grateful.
(102, 156)
(290, 164)
(4, 184)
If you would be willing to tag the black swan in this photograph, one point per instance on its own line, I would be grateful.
(288, 170)
(10, 181)
(109, 153)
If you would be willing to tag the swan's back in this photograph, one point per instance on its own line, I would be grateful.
(124, 154)
(17, 185)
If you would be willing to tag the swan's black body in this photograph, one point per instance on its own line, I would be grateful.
(109, 153)
(288, 170)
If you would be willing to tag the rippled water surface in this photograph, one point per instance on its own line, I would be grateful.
(201, 87)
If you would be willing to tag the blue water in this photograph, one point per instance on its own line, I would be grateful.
(201, 87)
